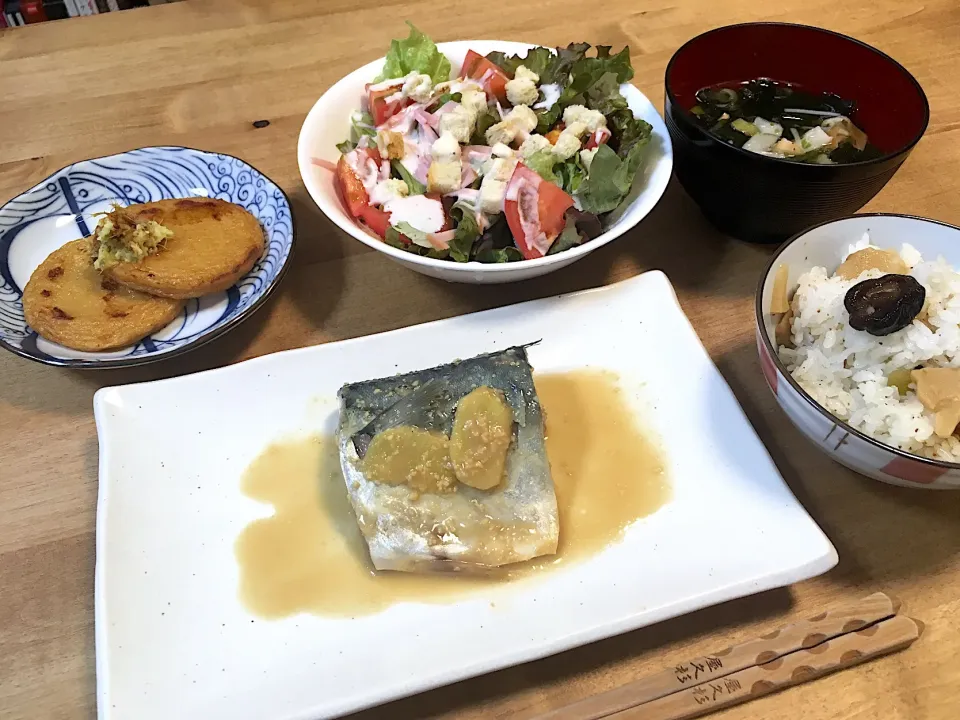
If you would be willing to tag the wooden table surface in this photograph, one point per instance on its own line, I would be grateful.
(199, 73)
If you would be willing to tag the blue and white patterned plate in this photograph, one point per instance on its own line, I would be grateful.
(61, 208)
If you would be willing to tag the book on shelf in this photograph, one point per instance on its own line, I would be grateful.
(55, 9)
(33, 11)
(12, 14)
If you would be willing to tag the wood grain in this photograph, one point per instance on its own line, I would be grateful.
(199, 73)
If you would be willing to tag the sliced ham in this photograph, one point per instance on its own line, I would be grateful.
(441, 240)
(325, 164)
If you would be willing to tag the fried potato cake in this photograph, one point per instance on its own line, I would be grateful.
(68, 302)
(214, 244)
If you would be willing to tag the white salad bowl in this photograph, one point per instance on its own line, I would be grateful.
(328, 123)
(826, 245)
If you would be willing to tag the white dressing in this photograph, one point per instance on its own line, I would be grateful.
(551, 93)
(423, 213)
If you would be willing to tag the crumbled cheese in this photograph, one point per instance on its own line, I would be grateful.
(533, 144)
(522, 90)
(418, 87)
(518, 122)
(568, 144)
(591, 119)
(525, 73)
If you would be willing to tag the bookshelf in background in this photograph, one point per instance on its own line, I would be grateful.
(27, 12)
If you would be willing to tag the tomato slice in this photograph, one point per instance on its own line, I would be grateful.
(447, 218)
(355, 198)
(376, 219)
(535, 210)
(491, 77)
(350, 189)
(598, 138)
(380, 108)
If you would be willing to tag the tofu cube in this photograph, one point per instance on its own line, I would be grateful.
(390, 144)
(493, 188)
(518, 122)
(459, 122)
(473, 98)
(445, 148)
(444, 177)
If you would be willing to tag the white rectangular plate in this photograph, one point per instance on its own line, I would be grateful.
(174, 641)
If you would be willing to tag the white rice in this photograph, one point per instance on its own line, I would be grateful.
(846, 370)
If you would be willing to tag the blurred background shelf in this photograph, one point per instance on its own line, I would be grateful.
(28, 12)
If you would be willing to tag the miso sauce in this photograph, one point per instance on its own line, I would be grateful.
(309, 555)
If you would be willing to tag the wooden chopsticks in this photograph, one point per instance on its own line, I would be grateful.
(802, 651)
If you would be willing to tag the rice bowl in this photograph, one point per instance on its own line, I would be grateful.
(848, 371)
(847, 441)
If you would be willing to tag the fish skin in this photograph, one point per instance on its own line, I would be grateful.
(470, 530)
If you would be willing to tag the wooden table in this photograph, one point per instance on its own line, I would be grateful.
(199, 73)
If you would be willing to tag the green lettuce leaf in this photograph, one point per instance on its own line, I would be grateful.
(627, 131)
(485, 120)
(604, 95)
(591, 81)
(467, 232)
(405, 228)
(413, 185)
(495, 237)
(570, 237)
(499, 255)
(360, 124)
(507, 63)
(610, 179)
(618, 64)
(392, 238)
(567, 174)
(548, 117)
(570, 174)
(539, 60)
(542, 163)
(444, 99)
(566, 58)
(417, 53)
(552, 67)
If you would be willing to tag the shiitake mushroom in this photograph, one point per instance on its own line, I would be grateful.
(883, 305)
